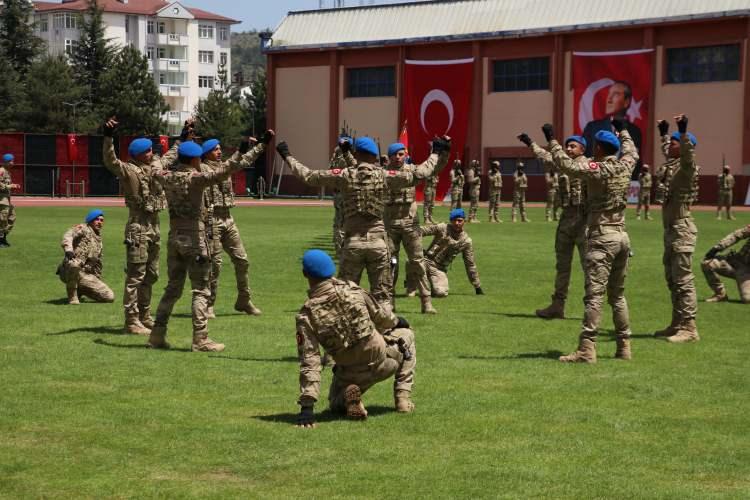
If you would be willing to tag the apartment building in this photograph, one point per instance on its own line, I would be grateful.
(186, 47)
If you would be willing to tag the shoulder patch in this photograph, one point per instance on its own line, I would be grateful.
(392, 172)
(336, 171)
(593, 165)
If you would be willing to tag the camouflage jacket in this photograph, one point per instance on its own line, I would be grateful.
(446, 245)
(552, 181)
(645, 181)
(400, 203)
(520, 182)
(495, 180)
(680, 184)
(743, 255)
(457, 179)
(5, 183)
(221, 195)
(87, 246)
(726, 183)
(474, 178)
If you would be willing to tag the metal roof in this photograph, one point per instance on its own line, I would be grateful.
(455, 20)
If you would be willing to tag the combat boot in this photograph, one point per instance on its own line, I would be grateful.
(637, 216)
(513, 216)
(158, 338)
(427, 305)
(4, 242)
(671, 329)
(623, 348)
(403, 402)
(353, 400)
(586, 352)
(201, 343)
(246, 306)
(524, 218)
(134, 326)
(718, 297)
(556, 310)
(686, 332)
(210, 314)
(144, 314)
(73, 296)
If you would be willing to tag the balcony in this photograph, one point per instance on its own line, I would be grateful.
(177, 39)
(176, 65)
(176, 117)
(174, 90)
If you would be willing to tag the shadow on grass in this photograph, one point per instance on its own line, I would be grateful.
(57, 302)
(285, 359)
(99, 330)
(521, 355)
(533, 316)
(324, 416)
(138, 346)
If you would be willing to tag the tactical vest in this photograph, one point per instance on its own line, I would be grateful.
(150, 197)
(662, 187)
(688, 194)
(403, 196)
(496, 180)
(364, 193)
(443, 250)
(577, 192)
(521, 182)
(646, 181)
(177, 188)
(340, 318)
(88, 250)
(458, 181)
(613, 196)
(724, 184)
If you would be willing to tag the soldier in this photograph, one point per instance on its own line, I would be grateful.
(457, 185)
(402, 225)
(680, 232)
(726, 188)
(188, 252)
(363, 188)
(644, 195)
(520, 183)
(553, 203)
(735, 265)
(81, 269)
(7, 210)
(225, 235)
(450, 240)
(496, 186)
(338, 161)
(368, 343)
(430, 184)
(474, 181)
(607, 249)
(571, 229)
(144, 198)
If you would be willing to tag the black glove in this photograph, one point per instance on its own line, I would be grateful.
(283, 149)
(70, 255)
(479, 290)
(440, 145)
(266, 137)
(682, 124)
(549, 131)
(712, 253)
(524, 138)
(187, 129)
(108, 129)
(663, 127)
(345, 144)
(618, 124)
(306, 417)
(244, 147)
(402, 323)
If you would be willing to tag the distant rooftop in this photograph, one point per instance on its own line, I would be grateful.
(136, 7)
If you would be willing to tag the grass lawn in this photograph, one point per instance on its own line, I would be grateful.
(86, 411)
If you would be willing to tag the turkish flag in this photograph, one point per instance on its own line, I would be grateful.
(607, 84)
(403, 137)
(72, 148)
(164, 140)
(436, 103)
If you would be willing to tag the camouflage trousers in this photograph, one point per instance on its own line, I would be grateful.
(368, 250)
(187, 255)
(338, 222)
(429, 205)
(88, 284)
(519, 202)
(553, 204)
(571, 234)
(368, 374)
(644, 200)
(142, 270)
(494, 203)
(730, 267)
(679, 245)
(438, 279)
(474, 203)
(725, 199)
(607, 254)
(456, 198)
(227, 237)
(7, 218)
(406, 232)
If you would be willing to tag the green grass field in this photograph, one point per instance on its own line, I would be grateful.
(86, 411)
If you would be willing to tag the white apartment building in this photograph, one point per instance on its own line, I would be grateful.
(185, 46)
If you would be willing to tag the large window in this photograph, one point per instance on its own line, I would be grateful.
(205, 31)
(223, 33)
(65, 20)
(532, 166)
(205, 57)
(70, 46)
(150, 53)
(205, 82)
(223, 59)
(150, 27)
(516, 75)
(42, 24)
(162, 53)
(371, 82)
(717, 63)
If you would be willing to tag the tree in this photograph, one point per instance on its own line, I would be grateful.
(220, 117)
(50, 84)
(129, 91)
(94, 54)
(17, 37)
(12, 95)
(254, 106)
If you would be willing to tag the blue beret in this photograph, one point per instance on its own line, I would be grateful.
(366, 145)
(395, 148)
(457, 213)
(7, 157)
(317, 264)
(190, 149)
(608, 137)
(139, 146)
(210, 145)
(576, 138)
(93, 214)
(676, 137)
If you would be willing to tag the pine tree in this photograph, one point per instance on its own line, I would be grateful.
(254, 107)
(219, 117)
(49, 86)
(12, 95)
(130, 92)
(17, 37)
(94, 54)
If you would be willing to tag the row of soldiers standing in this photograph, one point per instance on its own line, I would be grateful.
(473, 179)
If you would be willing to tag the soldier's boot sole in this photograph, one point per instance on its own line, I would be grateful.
(623, 350)
(586, 353)
(205, 344)
(353, 400)
(686, 332)
(718, 297)
(247, 308)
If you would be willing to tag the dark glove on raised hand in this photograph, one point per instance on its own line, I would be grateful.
(267, 137)
(70, 255)
(712, 253)
(618, 124)
(663, 127)
(187, 130)
(524, 138)
(479, 290)
(306, 417)
(549, 131)
(108, 129)
(682, 122)
(345, 144)
(441, 145)
(244, 147)
(283, 149)
(402, 323)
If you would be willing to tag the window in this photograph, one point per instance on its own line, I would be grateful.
(205, 31)
(162, 53)
(70, 46)
(718, 63)
(223, 59)
(65, 20)
(42, 24)
(520, 74)
(223, 33)
(162, 28)
(71, 21)
(371, 82)
(162, 79)
(205, 57)
(150, 27)
(205, 82)
(532, 166)
(150, 53)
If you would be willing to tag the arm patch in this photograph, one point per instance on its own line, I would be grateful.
(593, 165)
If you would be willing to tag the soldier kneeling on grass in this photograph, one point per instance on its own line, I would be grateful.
(368, 343)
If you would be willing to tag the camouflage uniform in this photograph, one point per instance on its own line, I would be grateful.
(726, 187)
(358, 333)
(439, 256)
(553, 203)
(495, 179)
(735, 265)
(363, 187)
(644, 195)
(144, 198)
(7, 211)
(82, 275)
(225, 235)
(608, 244)
(429, 198)
(457, 187)
(520, 183)
(188, 249)
(474, 181)
(338, 161)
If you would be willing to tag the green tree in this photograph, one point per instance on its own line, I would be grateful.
(12, 95)
(94, 54)
(220, 117)
(247, 57)
(49, 85)
(130, 92)
(254, 106)
(17, 37)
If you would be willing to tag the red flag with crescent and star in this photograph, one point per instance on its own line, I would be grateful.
(437, 102)
(72, 148)
(607, 84)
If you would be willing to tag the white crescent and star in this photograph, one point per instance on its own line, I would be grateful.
(436, 95)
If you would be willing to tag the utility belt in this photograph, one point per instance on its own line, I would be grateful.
(222, 212)
(377, 234)
(601, 229)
